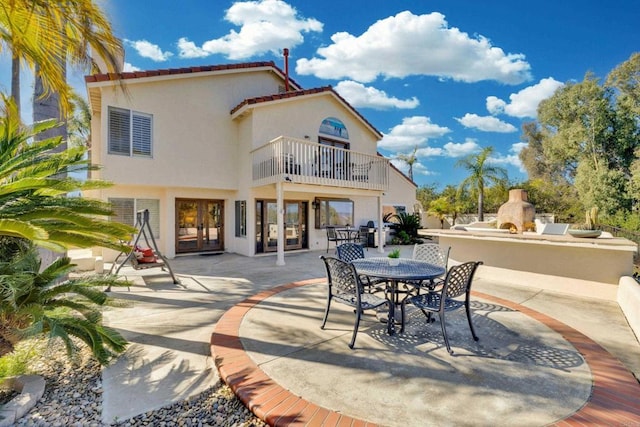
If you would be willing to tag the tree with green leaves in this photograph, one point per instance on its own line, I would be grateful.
(34, 210)
(560, 199)
(440, 208)
(410, 160)
(45, 303)
(481, 173)
(425, 194)
(33, 186)
(590, 133)
(45, 35)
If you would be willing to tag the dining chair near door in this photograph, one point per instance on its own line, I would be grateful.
(363, 236)
(456, 283)
(333, 236)
(344, 285)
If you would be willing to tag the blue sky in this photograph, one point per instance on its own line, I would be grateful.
(449, 77)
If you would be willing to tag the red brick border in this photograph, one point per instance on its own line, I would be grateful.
(615, 398)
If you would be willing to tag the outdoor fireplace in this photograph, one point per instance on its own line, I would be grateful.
(517, 214)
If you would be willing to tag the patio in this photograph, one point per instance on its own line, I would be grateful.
(538, 355)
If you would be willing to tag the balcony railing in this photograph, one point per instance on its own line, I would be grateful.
(296, 160)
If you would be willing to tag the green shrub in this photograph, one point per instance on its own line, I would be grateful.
(17, 362)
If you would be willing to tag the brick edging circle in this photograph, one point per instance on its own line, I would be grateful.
(614, 400)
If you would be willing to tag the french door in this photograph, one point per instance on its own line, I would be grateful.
(295, 227)
(199, 225)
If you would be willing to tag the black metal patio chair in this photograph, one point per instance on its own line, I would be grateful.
(434, 254)
(456, 283)
(344, 285)
(350, 251)
(363, 236)
(334, 236)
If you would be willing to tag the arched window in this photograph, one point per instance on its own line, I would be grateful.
(334, 127)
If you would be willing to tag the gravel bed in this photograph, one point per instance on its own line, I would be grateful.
(73, 397)
(7, 395)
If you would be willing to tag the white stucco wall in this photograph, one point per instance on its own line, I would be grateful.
(201, 152)
(194, 140)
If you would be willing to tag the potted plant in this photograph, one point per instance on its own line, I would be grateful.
(589, 228)
(394, 257)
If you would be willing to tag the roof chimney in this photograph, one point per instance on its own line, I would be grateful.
(286, 69)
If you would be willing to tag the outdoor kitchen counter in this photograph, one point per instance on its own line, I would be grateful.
(588, 264)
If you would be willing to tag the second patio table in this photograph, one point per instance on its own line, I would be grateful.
(406, 270)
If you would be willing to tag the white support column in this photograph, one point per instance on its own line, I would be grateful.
(381, 236)
(280, 222)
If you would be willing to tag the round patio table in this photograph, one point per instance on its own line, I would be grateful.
(406, 270)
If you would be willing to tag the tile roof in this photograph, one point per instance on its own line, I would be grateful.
(186, 70)
(303, 92)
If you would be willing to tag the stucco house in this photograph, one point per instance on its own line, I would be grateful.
(237, 158)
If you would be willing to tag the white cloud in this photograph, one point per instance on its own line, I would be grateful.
(510, 159)
(524, 103)
(408, 44)
(450, 149)
(414, 131)
(495, 105)
(429, 152)
(518, 146)
(130, 68)
(486, 123)
(188, 49)
(149, 50)
(360, 96)
(456, 149)
(127, 67)
(418, 168)
(265, 26)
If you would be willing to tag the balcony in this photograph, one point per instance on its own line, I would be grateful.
(300, 161)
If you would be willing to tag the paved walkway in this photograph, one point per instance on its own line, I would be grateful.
(542, 357)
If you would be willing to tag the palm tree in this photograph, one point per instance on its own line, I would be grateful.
(34, 180)
(409, 159)
(481, 173)
(46, 34)
(33, 186)
(36, 303)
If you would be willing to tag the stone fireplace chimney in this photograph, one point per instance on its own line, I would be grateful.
(516, 212)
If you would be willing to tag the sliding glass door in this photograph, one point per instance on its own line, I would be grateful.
(295, 225)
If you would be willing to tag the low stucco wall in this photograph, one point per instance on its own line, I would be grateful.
(583, 265)
(629, 301)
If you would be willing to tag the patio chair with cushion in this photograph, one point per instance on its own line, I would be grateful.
(456, 283)
(348, 252)
(345, 287)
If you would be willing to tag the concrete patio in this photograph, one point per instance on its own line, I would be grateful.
(543, 356)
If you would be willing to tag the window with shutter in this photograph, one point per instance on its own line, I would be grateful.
(119, 131)
(125, 212)
(130, 132)
(154, 214)
(141, 135)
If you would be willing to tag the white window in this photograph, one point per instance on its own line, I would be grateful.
(125, 212)
(130, 132)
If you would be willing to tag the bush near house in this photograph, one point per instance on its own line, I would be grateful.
(405, 228)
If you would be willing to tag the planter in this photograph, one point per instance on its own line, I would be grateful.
(585, 233)
(394, 261)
